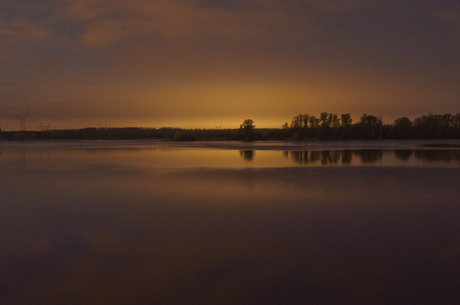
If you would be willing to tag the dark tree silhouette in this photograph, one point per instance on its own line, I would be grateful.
(402, 128)
(323, 118)
(314, 122)
(370, 126)
(247, 129)
(248, 124)
(345, 120)
(456, 122)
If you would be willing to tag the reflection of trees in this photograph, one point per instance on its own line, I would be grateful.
(326, 157)
(330, 157)
(347, 156)
(315, 156)
(437, 155)
(369, 155)
(248, 155)
(403, 155)
(300, 157)
(428, 155)
(336, 157)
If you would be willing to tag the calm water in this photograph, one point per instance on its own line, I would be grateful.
(229, 223)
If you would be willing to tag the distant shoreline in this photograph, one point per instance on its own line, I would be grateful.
(225, 135)
(303, 127)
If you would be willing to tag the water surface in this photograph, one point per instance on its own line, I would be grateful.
(167, 223)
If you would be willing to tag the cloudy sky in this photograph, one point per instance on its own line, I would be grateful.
(208, 63)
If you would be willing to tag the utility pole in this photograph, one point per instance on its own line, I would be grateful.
(20, 115)
(45, 127)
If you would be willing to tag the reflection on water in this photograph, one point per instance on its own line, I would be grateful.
(248, 155)
(370, 156)
(404, 155)
(183, 157)
(438, 155)
(324, 157)
(196, 226)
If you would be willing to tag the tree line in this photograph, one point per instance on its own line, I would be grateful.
(327, 126)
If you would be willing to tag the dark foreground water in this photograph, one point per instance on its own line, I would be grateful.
(156, 223)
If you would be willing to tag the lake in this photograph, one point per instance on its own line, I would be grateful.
(142, 222)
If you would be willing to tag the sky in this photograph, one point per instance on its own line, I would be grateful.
(212, 64)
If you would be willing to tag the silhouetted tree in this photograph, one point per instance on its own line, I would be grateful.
(297, 122)
(457, 121)
(429, 126)
(369, 126)
(247, 129)
(402, 128)
(314, 122)
(335, 121)
(323, 118)
(306, 120)
(248, 124)
(346, 120)
(329, 120)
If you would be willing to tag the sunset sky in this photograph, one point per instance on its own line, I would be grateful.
(208, 63)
